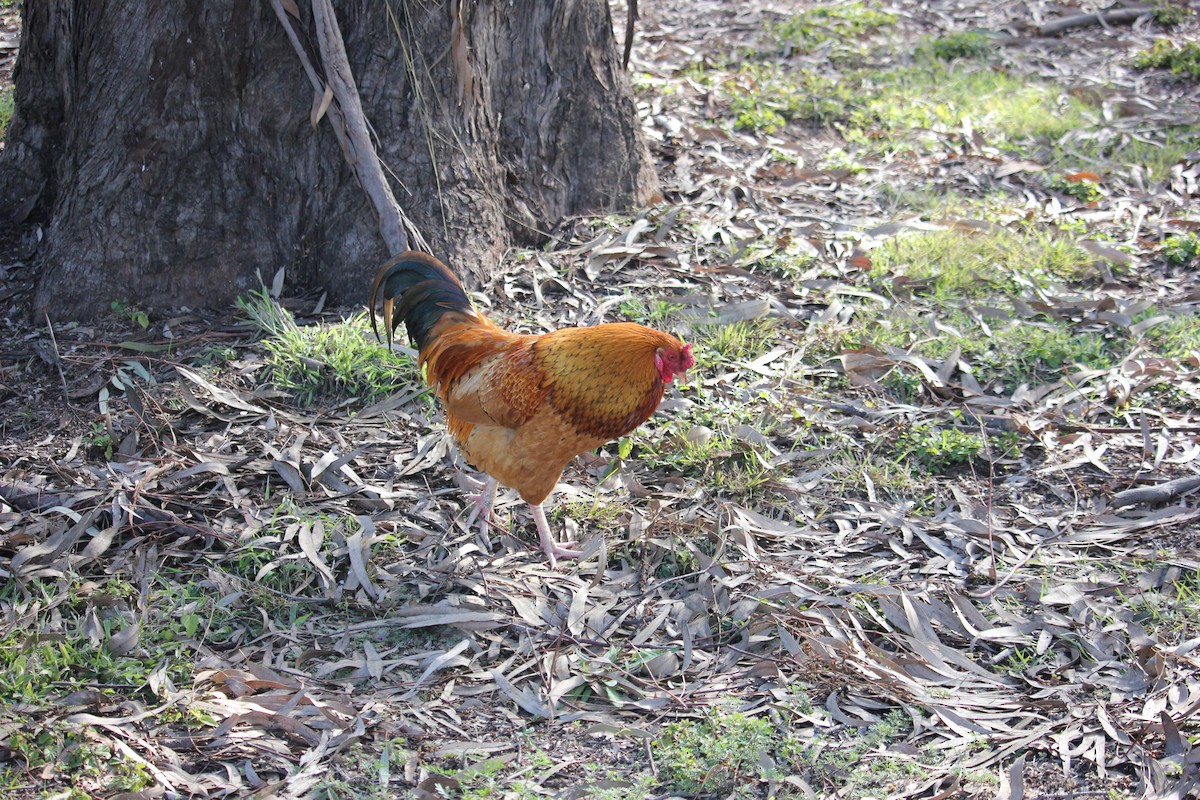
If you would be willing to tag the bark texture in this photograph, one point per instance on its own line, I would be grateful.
(167, 149)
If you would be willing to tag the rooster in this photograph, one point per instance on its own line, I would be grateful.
(520, 407)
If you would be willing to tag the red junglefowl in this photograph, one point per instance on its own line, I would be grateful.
(520, 407)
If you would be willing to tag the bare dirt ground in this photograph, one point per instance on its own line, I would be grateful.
(212, 591)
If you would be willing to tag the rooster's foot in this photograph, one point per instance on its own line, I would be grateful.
(553, 550)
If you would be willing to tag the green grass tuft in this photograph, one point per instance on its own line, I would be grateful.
(1168, 15)
(323, 363)
(1030, 352)
(858, 761)
(75, 647)
(766, 98)
(1179, 251)
(1010, 110)
(738, 341)
(880, 110)
(1182, 60)
(938, 450)
(718, 754)
(839, 23)
(1172, 613)
(648, 312)
(730, 754)
(957, 45)
(265, 313)
(96, 768)
(6, 110)
(1155, 151)
(957, 264)
(1178, 338)
(1085, 191)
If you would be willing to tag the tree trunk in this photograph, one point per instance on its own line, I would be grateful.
(167, 148)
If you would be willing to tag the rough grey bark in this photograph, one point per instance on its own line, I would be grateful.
(167, 150)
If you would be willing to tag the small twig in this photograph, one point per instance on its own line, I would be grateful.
(845, 408)
(58, 361)
(313, 78)
(984, 595)
(363, 159)
(630, 19)
(350, 125)
(991, 484)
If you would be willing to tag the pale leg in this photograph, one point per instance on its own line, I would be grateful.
(550, 547)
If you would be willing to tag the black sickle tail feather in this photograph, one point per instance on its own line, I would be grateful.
(417, 290)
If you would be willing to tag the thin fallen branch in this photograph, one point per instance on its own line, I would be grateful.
(1159, 493)
(58, 361)
(362, 150)
(1070, 427)
(1120, 16)
(313, 78)
(849, 409)
(630, 20)
(350, 124)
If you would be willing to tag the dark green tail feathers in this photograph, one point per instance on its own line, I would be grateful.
(416, 289)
